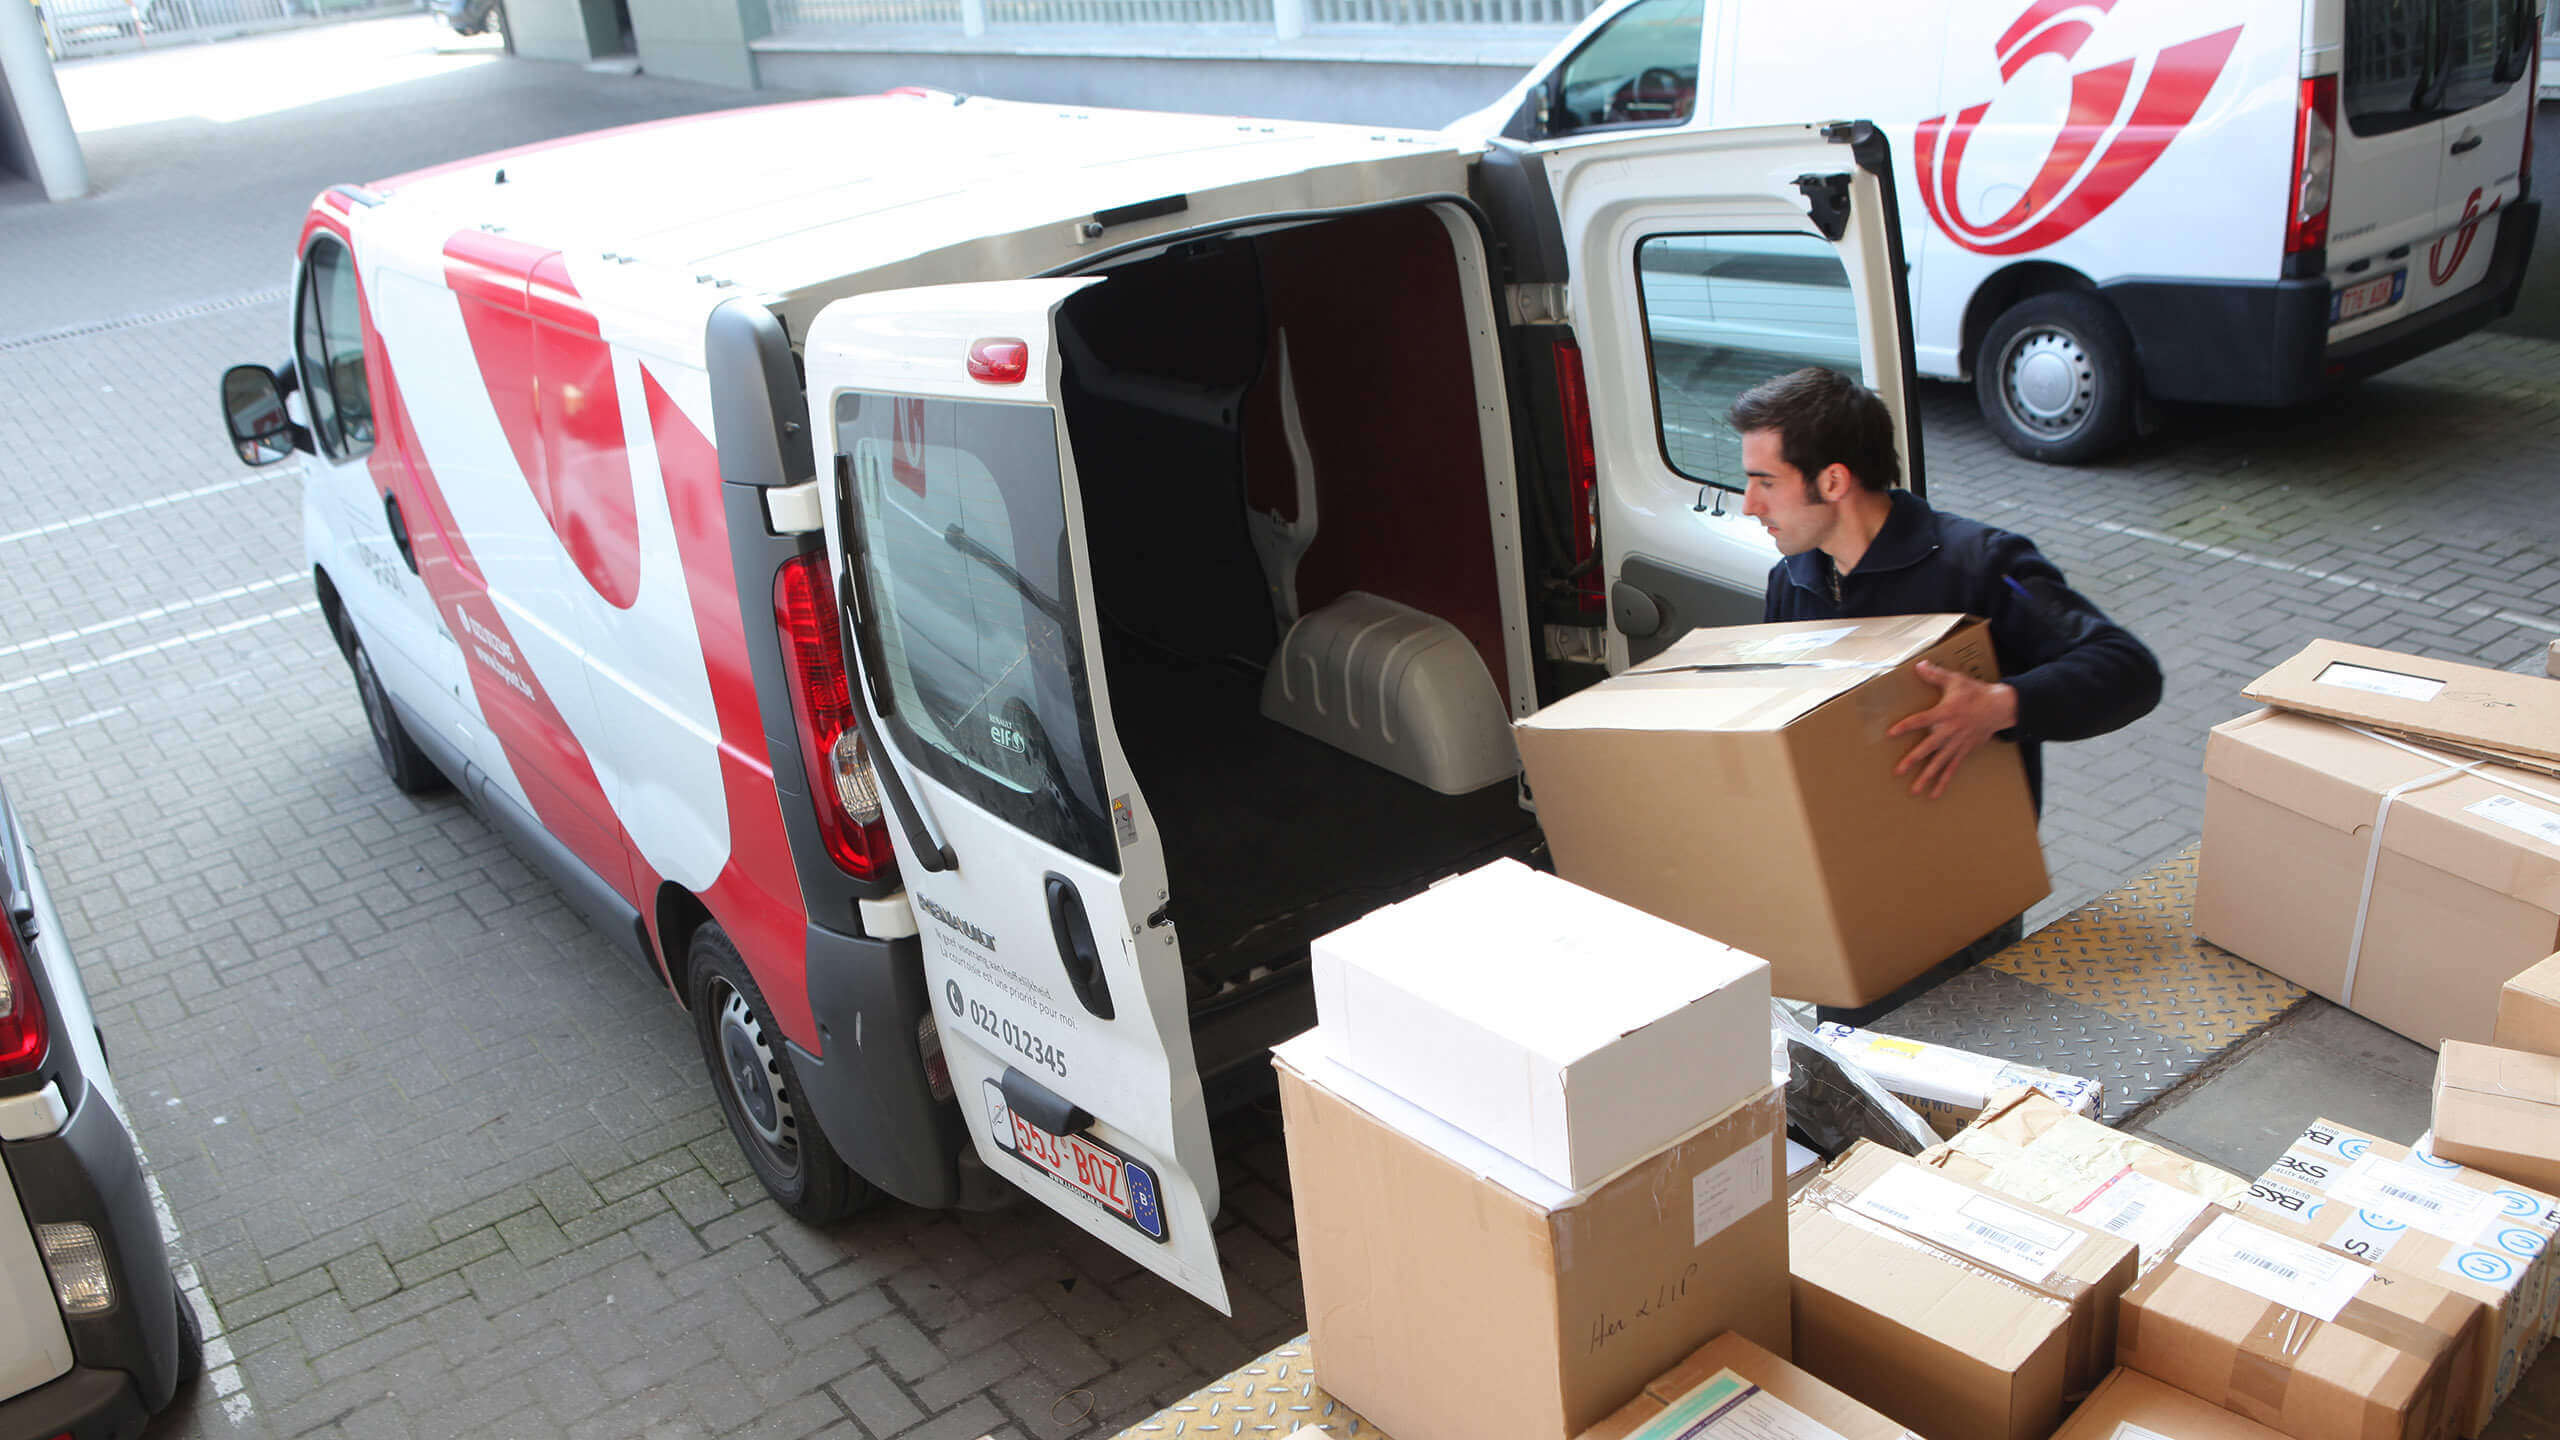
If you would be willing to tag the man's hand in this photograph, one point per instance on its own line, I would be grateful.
(1968, 712)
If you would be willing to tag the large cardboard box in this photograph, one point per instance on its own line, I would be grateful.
(2489, 712)
(1571, 1032)
(2499, 1111)
(1741, 783)
(1732, 1389)
(1947, 1087)
(2410, 1212)
(2464, 872)
(2028, 1146)
(1965, 1315)
(2529, 1010)
(2295, 1337)
(2133, 1406)
(1454, 1293)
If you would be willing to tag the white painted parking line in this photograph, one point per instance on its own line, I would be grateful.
(155, 613)
(92, 718)
(2328, 577)
(56, 527)
(139, 651)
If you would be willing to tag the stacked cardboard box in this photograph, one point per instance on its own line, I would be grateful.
(2390, 836)
(1504, 1226)
(2411, 1213)
(1950, 1088)
(1732, 1389)
(1741, 784)
(1964, 1314)
(2133, 1406)
(2303, 1340)
(2529, 1011)
(2028, 1146)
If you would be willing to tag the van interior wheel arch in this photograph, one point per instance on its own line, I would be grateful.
(677, 915)
(1993, 297)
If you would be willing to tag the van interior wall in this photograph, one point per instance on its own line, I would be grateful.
(1173, 399)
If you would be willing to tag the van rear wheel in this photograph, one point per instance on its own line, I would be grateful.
(411, 772)
(759, 1088)
(2055, 377)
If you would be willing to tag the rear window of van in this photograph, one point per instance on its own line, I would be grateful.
(2410, 62)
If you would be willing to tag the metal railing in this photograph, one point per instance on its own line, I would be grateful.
(1286, 18)
(95, 27)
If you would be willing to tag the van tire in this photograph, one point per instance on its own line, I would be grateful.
(2056, 377)
(752, 1071)
(411, 772)
(190, 1366)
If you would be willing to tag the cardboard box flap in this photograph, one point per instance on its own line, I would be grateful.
(2418, 695)
(1811, 645)
(2507, 1074)
(2498, 828)
(2321, 771)
(1748, 677)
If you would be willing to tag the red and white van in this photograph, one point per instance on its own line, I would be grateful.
(965, 590)
(2108, 200)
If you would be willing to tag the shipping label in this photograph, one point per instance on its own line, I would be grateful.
(2136, 1208)
(1730, 1189)
(2369, 1235)
(2291, 1201)
(2008, 1238)
(2320, 1138)
(2380, 682)
(1798, 643)
(2275, 1267)
(2127, 1430)
(2428, 1200)
(2533, 820)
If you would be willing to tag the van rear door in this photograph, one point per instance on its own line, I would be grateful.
(1703, 262)
(1034, 864)
(2486, 94)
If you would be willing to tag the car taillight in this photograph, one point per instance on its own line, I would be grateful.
(842, 786)
(22, 1025)
(937, 1071)
(1582, 479)
(2315, 153)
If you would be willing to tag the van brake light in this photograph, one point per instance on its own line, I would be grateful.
(845, 791)
(1582, 479)
(2315, 154)
(22, 1023)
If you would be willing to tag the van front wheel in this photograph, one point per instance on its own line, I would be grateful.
(760, 1090)
(2055, 377)
(411, 772)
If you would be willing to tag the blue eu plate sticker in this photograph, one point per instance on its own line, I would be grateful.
(1144, 1210)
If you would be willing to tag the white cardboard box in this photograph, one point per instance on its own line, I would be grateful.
(1571, 1032)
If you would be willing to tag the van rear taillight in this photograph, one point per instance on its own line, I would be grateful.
(1582, 479)
(2315, 157)
(843, 788)
(22, 1027)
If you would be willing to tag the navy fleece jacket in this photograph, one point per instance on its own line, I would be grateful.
(2076, 672)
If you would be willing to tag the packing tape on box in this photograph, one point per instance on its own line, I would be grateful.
(2382, 817)
(1842, 1202)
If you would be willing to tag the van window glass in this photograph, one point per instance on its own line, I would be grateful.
(2484, 49)
(1723, 313)
(2386, 71)
(329, 336)
(1639, 69)
(972, 642)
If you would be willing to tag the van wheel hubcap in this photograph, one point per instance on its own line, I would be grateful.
(754, 1077)
(2049, 382)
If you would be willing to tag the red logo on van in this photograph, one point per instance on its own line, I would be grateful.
(2111, 137)
(2442, 269)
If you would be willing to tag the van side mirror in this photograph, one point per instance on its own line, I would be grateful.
(253, 410)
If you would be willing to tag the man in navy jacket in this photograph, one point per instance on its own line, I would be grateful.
(1819, 461)
(1818, 455)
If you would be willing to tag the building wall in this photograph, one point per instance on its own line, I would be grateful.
(577, 30)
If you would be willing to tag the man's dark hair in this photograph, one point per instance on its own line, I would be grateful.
(1822, 418)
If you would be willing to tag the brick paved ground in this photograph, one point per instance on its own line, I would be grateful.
(445, 1165)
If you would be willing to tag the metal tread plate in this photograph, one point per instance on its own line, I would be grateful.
(1273, 1396)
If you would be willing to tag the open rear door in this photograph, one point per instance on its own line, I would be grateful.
(1035, 867)
(1702, 262)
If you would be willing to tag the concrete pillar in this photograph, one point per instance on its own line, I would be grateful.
(36, 138)
(704, 40)
(577, 30)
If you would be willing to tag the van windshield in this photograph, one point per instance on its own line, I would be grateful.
(972, 644)
(2409, 62)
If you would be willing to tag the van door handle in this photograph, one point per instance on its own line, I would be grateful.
(399, 532)
(2465, 147)
(1076, 949)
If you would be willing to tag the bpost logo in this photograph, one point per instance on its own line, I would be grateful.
(2113, 134)
(2442, 268)
(957, 924)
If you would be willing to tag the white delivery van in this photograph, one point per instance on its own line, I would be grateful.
(966, 591)
(2240, 202)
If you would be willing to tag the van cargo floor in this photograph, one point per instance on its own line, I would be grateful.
(1272, 838)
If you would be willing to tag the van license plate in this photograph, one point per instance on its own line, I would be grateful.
(1094, 1170)
(2379, 293)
